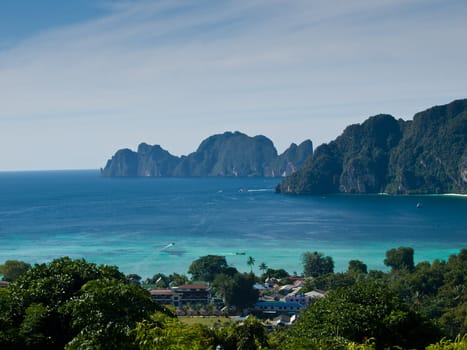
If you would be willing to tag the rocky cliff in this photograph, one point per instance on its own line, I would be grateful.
(426, 155)
(228, 154)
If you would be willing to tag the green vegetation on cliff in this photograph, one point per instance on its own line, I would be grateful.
(227, 154)
(426, 155)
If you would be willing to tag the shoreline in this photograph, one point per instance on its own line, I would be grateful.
(454, 195)
(420, 194)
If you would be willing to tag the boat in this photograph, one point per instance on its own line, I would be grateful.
(167, 246)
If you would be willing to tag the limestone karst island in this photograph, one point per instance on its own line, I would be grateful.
(426, 155)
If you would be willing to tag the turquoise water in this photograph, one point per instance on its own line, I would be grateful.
(128, 221)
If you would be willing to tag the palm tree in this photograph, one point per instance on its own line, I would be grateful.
(263, 267)
(250, 262)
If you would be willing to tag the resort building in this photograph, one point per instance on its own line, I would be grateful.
(194, 294)
(277, 308)
(303, 298)
(298, 298)
(187, 294)
(4, 284)
(165, 296)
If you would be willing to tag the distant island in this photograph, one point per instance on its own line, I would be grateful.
(426, 155)
(383, 155)
(227, 154)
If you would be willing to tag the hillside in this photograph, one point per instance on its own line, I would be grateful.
(227, 154)
(422, 156)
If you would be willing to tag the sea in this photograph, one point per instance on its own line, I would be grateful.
(160, 225)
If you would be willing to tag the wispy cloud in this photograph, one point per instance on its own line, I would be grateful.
(173, 72)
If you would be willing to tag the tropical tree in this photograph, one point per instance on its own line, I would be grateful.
(12, 269)
(277, 273)
(316, 264)
(263, 267)
(363, 311)
(177, 279)
(161, 332)
(221, 284)
(50, 305)
(240, 292)
(207, 267)
(251, 262)
(400, 259)
(106, 311)
(159, 280)
(134, 279)
(247, 335)
(357, 267)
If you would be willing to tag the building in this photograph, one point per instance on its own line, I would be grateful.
(298, 298)
(165, 296)
(187, 294)
(4, 284)
(277, 308)
(193, 294)
(304, 298)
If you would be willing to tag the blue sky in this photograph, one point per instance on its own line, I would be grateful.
(81, 79)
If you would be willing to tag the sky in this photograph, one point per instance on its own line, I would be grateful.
(80, 79)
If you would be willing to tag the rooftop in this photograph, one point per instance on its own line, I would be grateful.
(192, 286)
(161, 292)
(4, 283)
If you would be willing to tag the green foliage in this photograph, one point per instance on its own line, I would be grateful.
(329, 281)
(228, 154)
(426, 155)
(134, 279)
(369, 344)
(163, 332)
(250, 262)
(316, 264)
(33, 329)
(159, 280)
(263, 267)
(357, 267)
(237, 290)
(177, 279)
(447, 344)
(428, 159)
(105, 312)
(72, 304)
(8, 331)
(70, 301)
(359, 312)
(437, 291)
(275, 273)
(400, 259)
(248, 335)
(319, 174)
(207, 267)
(12, 269)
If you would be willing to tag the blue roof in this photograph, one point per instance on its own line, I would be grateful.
(277, 303)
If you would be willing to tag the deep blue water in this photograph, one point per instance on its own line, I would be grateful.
(128, 221)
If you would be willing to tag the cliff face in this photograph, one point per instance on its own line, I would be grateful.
(292, 159)
(228, 154)
(426, 155)
(431, 154)
(148, 161)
